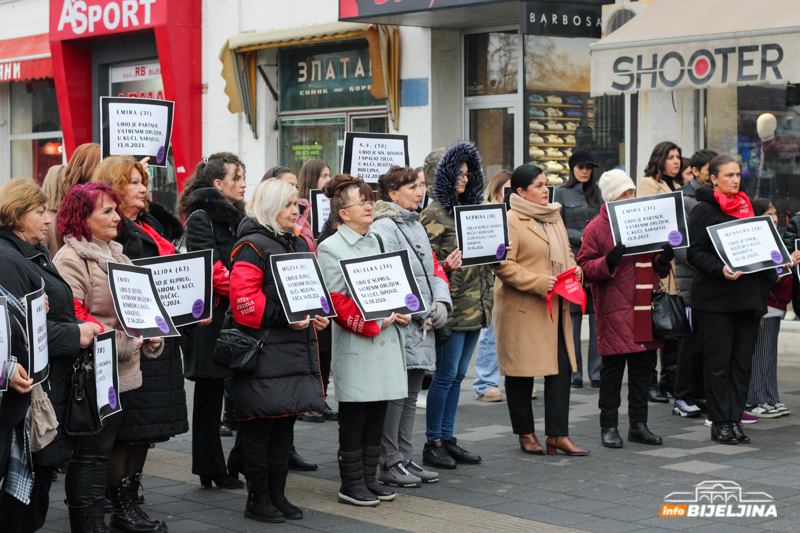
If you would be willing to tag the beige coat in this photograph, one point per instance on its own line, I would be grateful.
(650, 187)
(72, 261)
(53, 239)
(527, 340)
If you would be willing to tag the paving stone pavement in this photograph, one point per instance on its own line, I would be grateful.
(613, 491)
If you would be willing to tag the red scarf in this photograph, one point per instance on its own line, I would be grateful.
(164, 246)
(739, 206)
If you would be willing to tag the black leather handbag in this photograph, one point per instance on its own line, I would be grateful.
(669, 315)
(81, 418)
(236, 350)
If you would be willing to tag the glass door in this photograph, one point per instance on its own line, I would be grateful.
(491, 127)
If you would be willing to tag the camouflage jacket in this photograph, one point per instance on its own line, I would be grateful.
(471, 288)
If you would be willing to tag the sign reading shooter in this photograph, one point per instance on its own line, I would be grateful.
(368, 155)
(481, 233)
(106, 374)
(300, 285)
(646, 224)
(320, 210)
(136, 302)
(184, 284)
(140, 127)
(749, 245)
(38, 351)
(383, 284)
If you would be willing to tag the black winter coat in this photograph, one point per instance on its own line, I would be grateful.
(211, 222)
(24, 266)
(156, 411)
(287, 378)
(711, 291)
(684, 272)
(791, 234)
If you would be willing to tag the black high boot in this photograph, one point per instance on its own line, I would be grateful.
(259, 505)
(228, 417)
(277, 493)
(99, 512)
(353, 490)
(136, 483)
(125, 517)
(371, 461)
(81, 519)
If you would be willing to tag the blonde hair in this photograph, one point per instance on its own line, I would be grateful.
(269, 200)
(116, 173)
(17, 197)
(53, 186)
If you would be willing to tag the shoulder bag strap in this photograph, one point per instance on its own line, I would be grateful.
(186, 225)
(380, 241)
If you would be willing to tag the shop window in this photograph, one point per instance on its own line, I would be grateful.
(492, 63)
(560, 114)
(34, 129)
(312, 138)
(760, 127)
(492, 131)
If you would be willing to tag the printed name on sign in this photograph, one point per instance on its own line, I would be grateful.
(749, 245)
(137, 302)
(38, 354)
(481, 233)
(320, 210)
(301, 286)
(646, 224)
(369, 155)
(136, 126)
(106, 374)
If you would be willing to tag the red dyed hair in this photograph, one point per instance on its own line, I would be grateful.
(79, 204)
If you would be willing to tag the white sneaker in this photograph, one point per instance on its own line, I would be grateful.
(764, 410)
(569, 139)
(782, 408)
(552, 125)
(422, 399)
(553, 112)
(535, 139)
(537, 126)
(555, 139)
(535, 152)
(554, 152)
(709, 423)
(554, 100)
(571, 126)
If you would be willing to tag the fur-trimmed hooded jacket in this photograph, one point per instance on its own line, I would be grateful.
(471, 288)
(93, 295)
(138, 244)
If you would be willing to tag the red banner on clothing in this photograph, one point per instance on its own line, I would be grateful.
(570, 288)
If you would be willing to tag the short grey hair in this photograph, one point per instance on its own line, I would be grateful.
(269, 200)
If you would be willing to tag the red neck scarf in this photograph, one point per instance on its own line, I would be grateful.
(739, 206)
(164, 246)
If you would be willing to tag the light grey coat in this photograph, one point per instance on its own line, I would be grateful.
(393, 222)
(364, 369)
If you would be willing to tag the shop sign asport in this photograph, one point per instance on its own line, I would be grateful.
(71, 19)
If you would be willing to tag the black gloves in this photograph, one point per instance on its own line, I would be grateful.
(667, 254)
(614, 256)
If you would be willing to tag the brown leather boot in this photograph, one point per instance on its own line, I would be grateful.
(530, 444)
(564, 444)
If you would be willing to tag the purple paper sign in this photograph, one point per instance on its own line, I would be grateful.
(112, 397)
(162, 324)
(777, 257)
(501, 250)
(412, 302)
(197, 308)
(325, 305)
(675, 238)
(162, 152)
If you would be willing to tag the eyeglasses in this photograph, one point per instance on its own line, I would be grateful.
(363, 205)
(464, 175)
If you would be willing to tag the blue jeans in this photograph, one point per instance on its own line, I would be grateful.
(452, 362)
(486, 367)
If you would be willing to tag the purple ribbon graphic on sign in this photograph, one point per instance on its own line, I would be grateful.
(112, 397)
(325, 305)
(776, 256)
(162, 324)
(412, 302)
(197, 308)
(675, 238)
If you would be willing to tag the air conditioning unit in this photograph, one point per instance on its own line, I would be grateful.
(616, 15)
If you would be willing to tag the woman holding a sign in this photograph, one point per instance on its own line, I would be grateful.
(727, 304)
(524, 287)
(396, 220)
(89, 219)
(369, 366)
(286, 378)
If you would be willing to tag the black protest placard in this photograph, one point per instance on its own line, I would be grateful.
(369, 155)
(184, 283)
(320, 210)
(139, 127)
(749, 245)
(551, 191)
(106, 374)
(5, 345)
(301, 286)
(646, 224)
(136, 302)
(383, 284)
(481, 233)
(38, 351)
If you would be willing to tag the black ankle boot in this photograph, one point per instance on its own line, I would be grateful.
(277, 493)
(298, 462)
(353, 490)
(654, 394)
(228, 417)
(81, 519)
(738, 433)
(371, 460)
(610, 438)
(125, 514)
(460, 454)
(138, 500)
(721, 432)
(259, 505)
(639, 432)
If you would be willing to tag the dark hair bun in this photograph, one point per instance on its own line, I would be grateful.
(339, 182)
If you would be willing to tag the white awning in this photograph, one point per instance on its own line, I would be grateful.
(693, 44)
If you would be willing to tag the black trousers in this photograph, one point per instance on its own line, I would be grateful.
(325, 368)
(728, 342)
(85, 482)
(689, 372)
(208, 458)
(639, 365)
(265, 444)
(556, 398)
(360, 424)
(669, 363)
